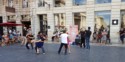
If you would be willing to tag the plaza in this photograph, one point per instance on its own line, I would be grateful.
(17, 53)
(53, 15)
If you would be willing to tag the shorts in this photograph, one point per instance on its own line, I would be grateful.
(39, 44)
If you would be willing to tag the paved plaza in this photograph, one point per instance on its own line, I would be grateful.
(17, 53)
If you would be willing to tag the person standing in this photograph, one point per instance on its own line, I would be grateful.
(82, 44)
(104, 36)
(64, 42)
(87, 38)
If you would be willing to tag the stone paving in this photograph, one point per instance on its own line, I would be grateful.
(17, 53)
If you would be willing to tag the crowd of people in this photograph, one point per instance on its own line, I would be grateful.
(82, 39)
(9, 38)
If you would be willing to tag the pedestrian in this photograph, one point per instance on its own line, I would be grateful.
(87, 38)
(69, 42)
(40, 42)
(122, 34)
(64, 42)
(29, 37)
(82, 44)
(24, 39)
(104, 36)
(0, 39)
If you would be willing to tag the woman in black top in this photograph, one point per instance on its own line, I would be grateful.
(40, 43)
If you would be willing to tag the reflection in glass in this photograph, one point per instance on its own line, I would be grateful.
(102, 20)
(79, 2)
(102, 1)
(60, 21)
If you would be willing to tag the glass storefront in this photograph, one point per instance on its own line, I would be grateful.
(80, 20)
(102, 20)
(59, 21)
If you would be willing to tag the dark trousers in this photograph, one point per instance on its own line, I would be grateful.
(40, 45)
(122, 39)
(53, 38)
(82, 44)
(61, 45)
(99, 40)
(28, 44)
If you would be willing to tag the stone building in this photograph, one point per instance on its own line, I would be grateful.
(47, 15)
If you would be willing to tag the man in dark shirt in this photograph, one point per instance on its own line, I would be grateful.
(122, 33)
(82, 44)
(87, 38)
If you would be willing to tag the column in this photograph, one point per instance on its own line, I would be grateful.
(114, 29)
(50, 17)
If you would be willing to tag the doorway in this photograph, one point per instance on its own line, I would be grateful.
(1, 28)
(43, 24)
(80, 20)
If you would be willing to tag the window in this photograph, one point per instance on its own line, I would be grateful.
(122, 18)
(59, 3)
(25, 4)
(102, 1)
(79, 2)
(123, 0)
(102, 20)
(10, 3)
(41, 3)
(59, 21)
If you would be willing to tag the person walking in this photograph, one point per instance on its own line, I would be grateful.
(64, 42)
(87, 38)
(122, 34)
(40, 42)
(29, 37)
(82, 44)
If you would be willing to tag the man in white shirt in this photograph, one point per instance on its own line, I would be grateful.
(64, 42)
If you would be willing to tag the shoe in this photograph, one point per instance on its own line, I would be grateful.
(37, 53)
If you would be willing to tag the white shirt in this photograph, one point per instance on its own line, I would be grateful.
(64, 38)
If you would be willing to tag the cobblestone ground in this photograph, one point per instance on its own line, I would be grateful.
(17, 53)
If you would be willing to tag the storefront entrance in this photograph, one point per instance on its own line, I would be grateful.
(80, 20)
(43, 24)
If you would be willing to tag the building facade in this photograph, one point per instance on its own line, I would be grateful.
(50, 15)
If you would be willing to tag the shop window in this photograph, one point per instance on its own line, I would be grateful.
(59, 3)
(102, 1)
(79, 2)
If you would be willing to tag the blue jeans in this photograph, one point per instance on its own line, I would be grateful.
(40, 45)
(122, 39)
(87, 40)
